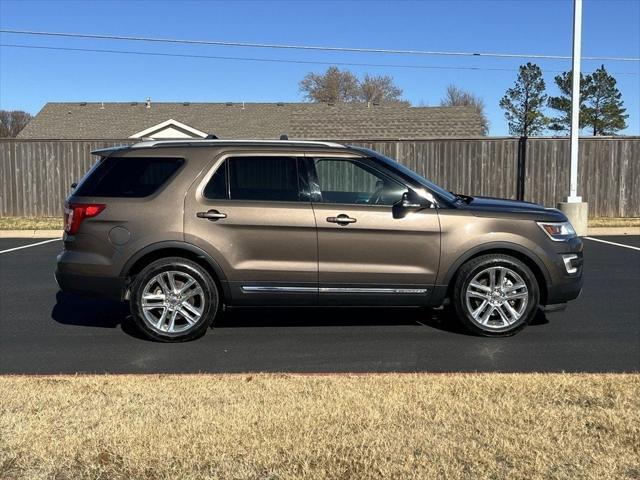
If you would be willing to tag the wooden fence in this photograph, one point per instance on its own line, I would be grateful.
(36, 174)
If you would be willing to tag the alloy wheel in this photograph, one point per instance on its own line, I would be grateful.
(172, 302)
(496, 297)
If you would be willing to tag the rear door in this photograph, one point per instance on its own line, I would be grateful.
(252, 213)
(365, 255)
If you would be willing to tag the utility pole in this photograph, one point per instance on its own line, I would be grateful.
(575, 101)
(574, 208)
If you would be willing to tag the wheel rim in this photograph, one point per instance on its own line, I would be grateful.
(172, 302)
(496, 298)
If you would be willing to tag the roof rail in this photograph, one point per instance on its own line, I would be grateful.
(202, 142)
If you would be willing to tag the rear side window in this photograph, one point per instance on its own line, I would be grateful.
(128, 177)
(216, 189)
(256, 178)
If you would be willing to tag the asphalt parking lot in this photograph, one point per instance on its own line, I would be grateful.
(45, 331)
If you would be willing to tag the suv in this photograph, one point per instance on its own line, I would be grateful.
(180, 228)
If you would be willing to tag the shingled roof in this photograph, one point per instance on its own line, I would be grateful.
(348, 121)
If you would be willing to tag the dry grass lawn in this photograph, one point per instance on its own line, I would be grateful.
(320, 427)
(31, 223)
(614, 222)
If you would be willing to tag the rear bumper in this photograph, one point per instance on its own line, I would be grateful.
(93, 286)
(89, 273)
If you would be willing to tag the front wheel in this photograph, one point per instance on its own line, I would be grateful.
(173, 300)
(495, 295)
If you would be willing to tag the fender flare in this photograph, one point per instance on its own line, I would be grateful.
(486, 247)
(175, 244)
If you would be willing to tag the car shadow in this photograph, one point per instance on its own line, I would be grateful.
(82, 311)
(73, 309)
(440, 319)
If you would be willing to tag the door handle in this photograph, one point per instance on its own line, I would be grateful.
(212, 215)
(341, 219)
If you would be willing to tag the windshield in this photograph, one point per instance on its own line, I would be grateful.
(441, 192)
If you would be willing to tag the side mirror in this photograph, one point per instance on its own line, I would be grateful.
(410, 202)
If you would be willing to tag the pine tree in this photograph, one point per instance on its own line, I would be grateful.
(524, 101)
(604, 106)
(562, 103)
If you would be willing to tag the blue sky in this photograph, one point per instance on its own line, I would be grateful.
(30, 78)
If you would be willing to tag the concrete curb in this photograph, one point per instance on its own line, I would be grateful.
(30, 233)
(604, 231)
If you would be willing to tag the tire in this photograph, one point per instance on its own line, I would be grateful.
(179, 295)
(507, 307)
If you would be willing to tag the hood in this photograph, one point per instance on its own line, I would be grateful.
(487, 206)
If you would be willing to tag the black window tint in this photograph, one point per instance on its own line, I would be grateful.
(128, 177)
(217, 186)
(264, 178)
(346, 181)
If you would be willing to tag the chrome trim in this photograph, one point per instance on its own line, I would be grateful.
(254, 289)
(372, 290)
(567, 258)
(260, 289)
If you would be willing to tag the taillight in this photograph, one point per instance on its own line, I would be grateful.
(75, 213)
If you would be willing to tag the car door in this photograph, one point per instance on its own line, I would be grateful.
(251, 213)
(365, 255)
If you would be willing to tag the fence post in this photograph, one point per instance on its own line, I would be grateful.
(522, 158)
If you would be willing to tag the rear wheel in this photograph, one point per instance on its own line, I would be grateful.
(174, 300)
(495, 295)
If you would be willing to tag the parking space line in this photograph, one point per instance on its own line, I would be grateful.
(30, 245)
(606, 241)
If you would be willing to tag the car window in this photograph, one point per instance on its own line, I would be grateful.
(256, 178)
(216, 188)
(128, 177)
(350, 181)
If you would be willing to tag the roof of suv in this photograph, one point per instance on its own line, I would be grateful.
(215, 143)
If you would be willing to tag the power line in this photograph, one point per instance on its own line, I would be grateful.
(272, 60)
(313, 47)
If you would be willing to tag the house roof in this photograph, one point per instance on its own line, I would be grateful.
(348, 121)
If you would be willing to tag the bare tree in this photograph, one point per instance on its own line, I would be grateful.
(456, 97)
(378, 89)
(333, 86)
(12, 122)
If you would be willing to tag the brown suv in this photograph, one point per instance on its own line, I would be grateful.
(179, 228)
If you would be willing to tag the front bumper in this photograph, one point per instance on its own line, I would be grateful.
(566, 273)
(565, 291)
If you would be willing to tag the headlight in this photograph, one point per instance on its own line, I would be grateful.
(558, 231)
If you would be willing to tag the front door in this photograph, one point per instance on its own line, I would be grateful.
(253, 215)
(365, 256)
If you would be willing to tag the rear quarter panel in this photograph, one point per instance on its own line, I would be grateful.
(128, 225)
